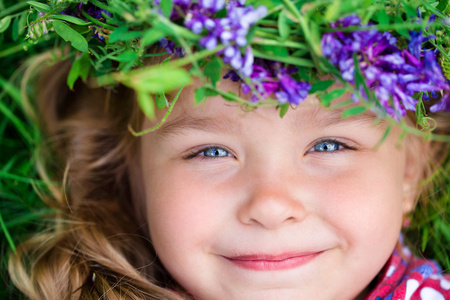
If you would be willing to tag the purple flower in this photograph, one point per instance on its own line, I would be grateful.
(231, 30)
(170, 47)
(269, 77)
(415, 44)
(394, 74)
(292, 91)
(442, 105)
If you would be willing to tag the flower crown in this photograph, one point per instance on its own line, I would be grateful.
(391, 55)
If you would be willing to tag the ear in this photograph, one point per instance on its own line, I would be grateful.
(416, 165)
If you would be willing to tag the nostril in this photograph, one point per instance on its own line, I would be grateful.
(271, 209)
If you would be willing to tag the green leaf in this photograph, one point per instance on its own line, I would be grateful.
(382, 17)
(85, 66)
(333, 11)
(74, 73)
(304, 74)
(7, 234)
(40, 6)
(117, 33)
(425, 237)
(433, 10)
(445, 229)
(71, 19)
(283, 25)
(283, 109)
(166, 7)
(202, 93)
(212, 70)
(327, 98)
(146, 104)
(15, 29)
(270, 4)
(321, 86)
(276, 51)
(161, 100)
(442, 6)
(130, 35)
(151, 36)
(80, 69)
(158, 79)
(70, 35)
(127, 56)
(199, 95)
(353, 111)
(23, 19)
(4, 23)
(410, 11)
(403, 32)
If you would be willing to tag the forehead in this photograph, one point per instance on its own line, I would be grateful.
(219, 115)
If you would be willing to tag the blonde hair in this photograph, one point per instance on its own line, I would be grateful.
(98, 246)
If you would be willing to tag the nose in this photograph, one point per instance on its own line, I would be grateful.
(272, 205)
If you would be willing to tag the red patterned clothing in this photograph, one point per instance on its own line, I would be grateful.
(411, 278)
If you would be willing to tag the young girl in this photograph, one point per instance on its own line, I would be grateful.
(223, 202)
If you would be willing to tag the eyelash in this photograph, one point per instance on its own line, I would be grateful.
(345, 146)
(196, 152)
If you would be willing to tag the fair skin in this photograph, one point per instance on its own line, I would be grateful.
(252, 206)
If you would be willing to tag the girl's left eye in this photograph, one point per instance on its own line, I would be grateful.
(330, 146)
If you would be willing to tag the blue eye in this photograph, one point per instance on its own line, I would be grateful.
(327, 146)
(215, 152)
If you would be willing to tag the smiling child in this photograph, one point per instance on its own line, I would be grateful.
(217, 196)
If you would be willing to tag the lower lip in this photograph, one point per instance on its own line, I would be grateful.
(273, 264)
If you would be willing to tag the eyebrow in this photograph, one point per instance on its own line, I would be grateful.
(334, 117)
(215, 125)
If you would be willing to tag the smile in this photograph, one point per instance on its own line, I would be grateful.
(263, 262)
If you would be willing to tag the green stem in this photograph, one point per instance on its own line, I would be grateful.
(176, 29)
(172, 105)
(380, 27)
(266, 35)
(281, 6)
(97, 22)
(13, 49)
(304, 26)
(237, 98)
(289, 59)
(440, 48)
(100, 5)
(16, 7)
(290, 44)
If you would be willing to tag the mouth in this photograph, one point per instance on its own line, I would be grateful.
(264, 262)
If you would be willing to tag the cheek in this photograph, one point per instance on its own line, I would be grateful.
(179, 209)
(366, 203)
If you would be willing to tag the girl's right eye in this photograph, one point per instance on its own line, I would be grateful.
(215, 152)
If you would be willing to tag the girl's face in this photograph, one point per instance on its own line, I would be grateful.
(252, 206)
